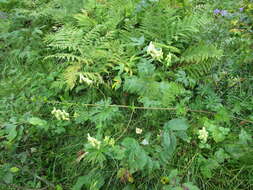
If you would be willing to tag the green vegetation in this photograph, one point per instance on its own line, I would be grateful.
(126, 94)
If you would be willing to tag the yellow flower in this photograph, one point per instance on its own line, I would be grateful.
(60, 115)
(130, 179)
(234, 30)
(234, 22)
(109, 141)
(203, 135)
(165, 180)
(94, 142)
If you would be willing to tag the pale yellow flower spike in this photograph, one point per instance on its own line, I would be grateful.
(203, 135)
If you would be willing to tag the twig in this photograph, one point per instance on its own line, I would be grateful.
(144, 108)
(127, 125)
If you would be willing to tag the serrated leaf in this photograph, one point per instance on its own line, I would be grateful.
(137, 157)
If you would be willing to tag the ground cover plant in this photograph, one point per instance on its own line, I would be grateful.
(126, 94)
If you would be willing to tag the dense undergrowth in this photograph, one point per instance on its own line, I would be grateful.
(126, 94)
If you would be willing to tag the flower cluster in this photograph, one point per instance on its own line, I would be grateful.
(60, 114)
(109, 141)
(94, 142)
(155, 53)
(203, 135)
(222, 12)
(84, 79)
(97, 144)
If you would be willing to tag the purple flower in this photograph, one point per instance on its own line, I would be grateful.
(223, 13)
(241, 9)
(216, 11)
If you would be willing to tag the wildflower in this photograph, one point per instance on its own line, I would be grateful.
(165, 180)
(154, 52)
(234, 22)
(76, 115)
(216, 11)
(138, 130)
(169, 59)
(109, 141)
(223, 13)
(94, 142)
(65, 115)
(241, 9)
(60, 115)
(145, 142)
(203, 135)
(84, 79)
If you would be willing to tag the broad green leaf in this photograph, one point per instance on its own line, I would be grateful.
(135, 154)
(11, 131)
(245, 137)
(176, 125)
(80, 182)
(166, 140)
(173, 173)
(183, 135)
(235, 150)
(8, 178)
(37, 121)
(169, 143)
(221, 155)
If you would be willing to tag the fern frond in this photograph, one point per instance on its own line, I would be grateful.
(68, 38)
(198, 60)
(200, 53)
(71, 74)
(68, 57)
(97, 35)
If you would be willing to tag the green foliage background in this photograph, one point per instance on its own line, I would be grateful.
(126, 118)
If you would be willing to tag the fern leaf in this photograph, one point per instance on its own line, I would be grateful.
(71, 75)
(200, 53)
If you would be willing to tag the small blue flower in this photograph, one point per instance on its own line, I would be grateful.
(216, 11)
(241, 9)
(223, 13)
